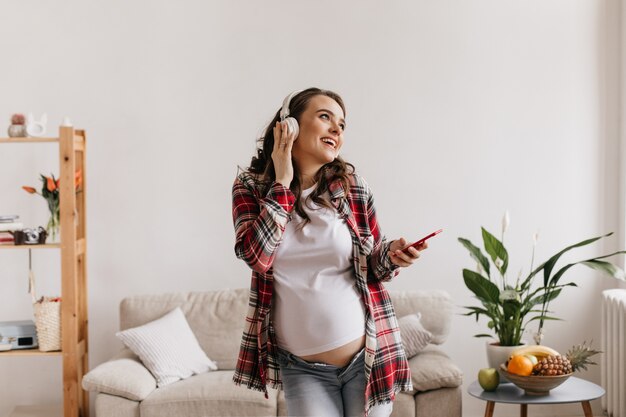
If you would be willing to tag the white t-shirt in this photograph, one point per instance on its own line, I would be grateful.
(316, 305)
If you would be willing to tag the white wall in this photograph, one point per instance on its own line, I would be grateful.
(457, 111)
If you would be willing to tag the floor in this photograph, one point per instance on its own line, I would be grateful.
(37, 411)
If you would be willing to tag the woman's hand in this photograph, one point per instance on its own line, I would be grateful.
(401, 258)
(281, 155)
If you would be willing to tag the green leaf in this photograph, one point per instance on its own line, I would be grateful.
(496, 250)
(602, 266)
(548, 296)
(477, 254)
(483, 335)
(555, 279)
(543, 317)
(554, 259)
(606, 267)
(619, 252)
(484, 289)
(476, 310)
(539, 289)
(550, 263)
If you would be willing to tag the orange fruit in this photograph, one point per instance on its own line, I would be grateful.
(520, 365)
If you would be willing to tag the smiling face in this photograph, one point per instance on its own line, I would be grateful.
(321, 134)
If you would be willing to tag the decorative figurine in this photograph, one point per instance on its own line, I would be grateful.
(17, 128)
(36, 128)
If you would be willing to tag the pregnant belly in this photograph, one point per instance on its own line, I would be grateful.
(340, 356)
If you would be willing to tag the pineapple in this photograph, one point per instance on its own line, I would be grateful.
(576, 358)
(553, 365)
(579, 356)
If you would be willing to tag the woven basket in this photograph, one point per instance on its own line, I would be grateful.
(48, 324)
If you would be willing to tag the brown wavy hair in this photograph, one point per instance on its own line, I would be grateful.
(262, 165)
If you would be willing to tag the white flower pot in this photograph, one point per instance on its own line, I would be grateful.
(497, 355)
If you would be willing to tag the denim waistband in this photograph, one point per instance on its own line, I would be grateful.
(293, 359)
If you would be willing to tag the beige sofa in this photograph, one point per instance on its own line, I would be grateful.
(125, 388)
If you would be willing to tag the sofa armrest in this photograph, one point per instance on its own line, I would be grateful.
(432, 369)
(123, 376)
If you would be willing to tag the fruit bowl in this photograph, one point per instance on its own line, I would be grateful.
(534, 384)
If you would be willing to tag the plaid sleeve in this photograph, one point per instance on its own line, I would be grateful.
(259, 222)
(380, 266)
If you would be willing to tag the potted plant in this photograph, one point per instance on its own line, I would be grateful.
(511, 306)
(50, 191)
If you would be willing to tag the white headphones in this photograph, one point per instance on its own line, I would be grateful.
(292, 123)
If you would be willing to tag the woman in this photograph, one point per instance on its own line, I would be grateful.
(320, 322)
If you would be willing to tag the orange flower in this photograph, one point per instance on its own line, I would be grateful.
(58, 182)
(50, 185)
(29, 189)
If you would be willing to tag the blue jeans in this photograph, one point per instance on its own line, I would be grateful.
(323, 390)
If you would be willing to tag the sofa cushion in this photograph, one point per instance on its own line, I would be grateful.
(112, 405)
(215, 317)
(435, 307)
(432, 369)
(414, 336)
(207, 395)
(168, 348)
(123, 376)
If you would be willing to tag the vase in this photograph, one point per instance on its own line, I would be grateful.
(53, 227)
(17, 131)
(497, 355)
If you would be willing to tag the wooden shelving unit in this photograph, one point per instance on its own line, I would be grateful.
(73, 252)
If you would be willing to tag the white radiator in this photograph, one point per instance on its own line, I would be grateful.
(613, 362)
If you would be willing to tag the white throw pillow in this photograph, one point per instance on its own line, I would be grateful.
(414, 336)
(168, 348)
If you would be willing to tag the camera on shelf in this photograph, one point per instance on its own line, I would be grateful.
(30, 236)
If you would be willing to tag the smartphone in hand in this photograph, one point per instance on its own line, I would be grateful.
(422, 240)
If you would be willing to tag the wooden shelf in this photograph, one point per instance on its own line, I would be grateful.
(80, 246)
(28, 140)
(46, 246)
(29, 352)
(79, 139)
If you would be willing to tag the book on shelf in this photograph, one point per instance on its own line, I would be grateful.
(6, 238)
(5, 227)
(10, 218)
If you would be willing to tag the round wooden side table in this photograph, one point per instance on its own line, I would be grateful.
(573, 390)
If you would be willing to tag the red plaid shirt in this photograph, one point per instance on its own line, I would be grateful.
(259, 225)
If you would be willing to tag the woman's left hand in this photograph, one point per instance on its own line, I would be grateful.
(404, 258)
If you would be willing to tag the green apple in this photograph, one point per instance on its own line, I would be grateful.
(488, 378)
(532, 358)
